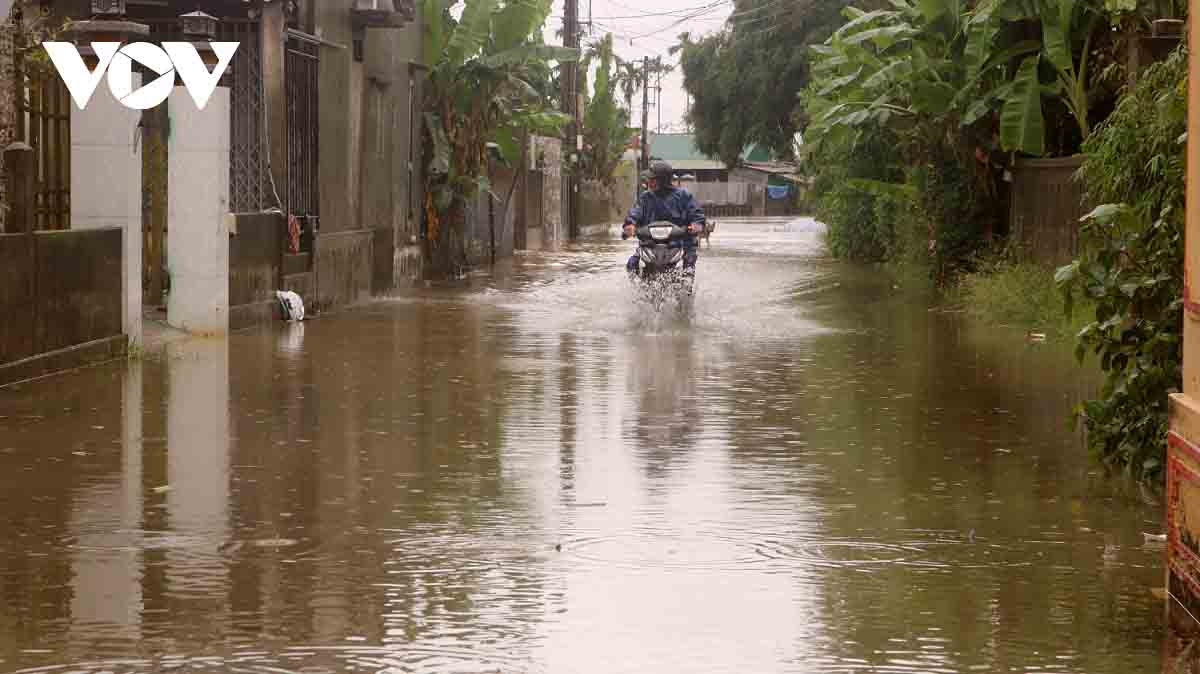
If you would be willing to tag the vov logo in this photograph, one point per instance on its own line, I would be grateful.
(117, 61)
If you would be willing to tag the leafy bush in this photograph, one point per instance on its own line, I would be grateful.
(1131, 266)
(861, 221)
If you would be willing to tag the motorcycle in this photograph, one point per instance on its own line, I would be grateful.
(660, 270)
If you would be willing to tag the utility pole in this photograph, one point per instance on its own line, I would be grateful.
(569, 105)
(658, 94)
(645, 112)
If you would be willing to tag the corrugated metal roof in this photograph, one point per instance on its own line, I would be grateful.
(675, 147)
(695, 164)
(680, 150)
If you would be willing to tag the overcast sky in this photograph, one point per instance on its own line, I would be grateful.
(643, 28)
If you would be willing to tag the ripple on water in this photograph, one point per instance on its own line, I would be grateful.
(648, 550)
(397, 658)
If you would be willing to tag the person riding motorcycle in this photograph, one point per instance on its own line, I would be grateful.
(664, 201)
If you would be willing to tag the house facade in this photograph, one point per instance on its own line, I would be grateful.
(316, 182)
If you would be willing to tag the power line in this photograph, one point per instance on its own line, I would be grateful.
(707, 10)
(755, 10)
(672, 13)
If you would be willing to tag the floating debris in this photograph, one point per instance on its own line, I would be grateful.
(274, 543)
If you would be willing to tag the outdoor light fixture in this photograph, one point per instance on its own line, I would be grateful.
(108, 8)
(199, 25)
(200, 29)
(382, 13)
(106, 25)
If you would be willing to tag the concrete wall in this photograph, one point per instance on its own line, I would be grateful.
(370, 152)
(340, 119)
(344, 269)
(487, 213)
(61, 298)
(255, 260)
(599, 204)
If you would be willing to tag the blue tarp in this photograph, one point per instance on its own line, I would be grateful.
(778, 191)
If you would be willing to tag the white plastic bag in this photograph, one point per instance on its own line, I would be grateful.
(292, 305)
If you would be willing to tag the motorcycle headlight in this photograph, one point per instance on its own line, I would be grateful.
(661, 232)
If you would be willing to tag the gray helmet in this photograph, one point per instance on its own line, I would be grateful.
(662, 172)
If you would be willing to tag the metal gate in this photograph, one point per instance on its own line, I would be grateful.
(43, 107)
(249, 184)
(154, 204)
(302, 72)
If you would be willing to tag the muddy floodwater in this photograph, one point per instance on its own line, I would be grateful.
(537, 474)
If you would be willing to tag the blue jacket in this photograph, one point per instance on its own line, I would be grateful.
(677, 206)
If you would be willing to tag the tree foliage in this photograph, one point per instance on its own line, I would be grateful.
(606, 126)
(743, 80)
(484, 68)
(1131, 265)
(917, 75)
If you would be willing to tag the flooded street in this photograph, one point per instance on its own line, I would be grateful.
(539, 475)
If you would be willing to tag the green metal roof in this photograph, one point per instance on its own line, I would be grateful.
(680, 147)
(674, 147)
(756, 153)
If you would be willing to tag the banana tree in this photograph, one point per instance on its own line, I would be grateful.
(1064, 24)
(890, 67)
(480, 92)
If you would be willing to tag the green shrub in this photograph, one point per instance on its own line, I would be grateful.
(860, 221)
(1021, 295)
(1131, 266)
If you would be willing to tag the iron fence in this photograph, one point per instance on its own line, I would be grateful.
(301, 74)
(249, 184)
(43, 107)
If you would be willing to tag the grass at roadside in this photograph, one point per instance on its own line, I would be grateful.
(1020, 295)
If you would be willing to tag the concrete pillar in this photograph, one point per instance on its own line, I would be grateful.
(272, 29)
(1183, 460)
(106, 187)
(198, 213)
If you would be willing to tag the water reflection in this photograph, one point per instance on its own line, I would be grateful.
(816, 474)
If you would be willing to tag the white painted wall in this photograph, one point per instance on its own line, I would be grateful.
(106, 187)
(197, 210)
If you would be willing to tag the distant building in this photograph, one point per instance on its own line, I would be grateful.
(679, 150)
(759, 185)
